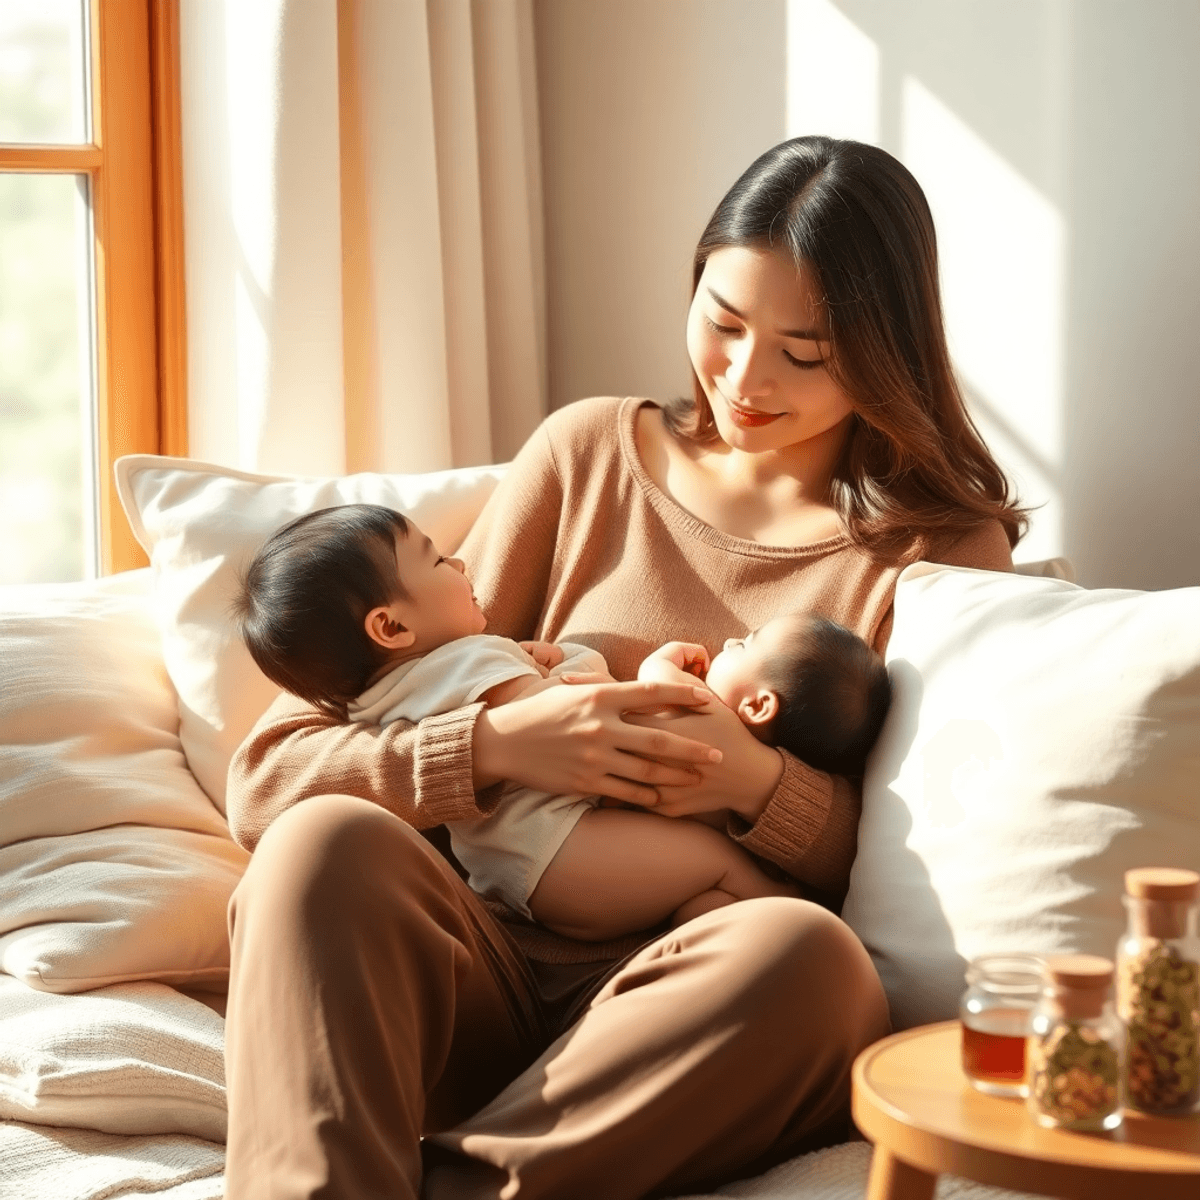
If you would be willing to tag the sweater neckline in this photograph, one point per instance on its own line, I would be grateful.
(679, 518)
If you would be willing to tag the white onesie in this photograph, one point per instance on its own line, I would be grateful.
(505, 852)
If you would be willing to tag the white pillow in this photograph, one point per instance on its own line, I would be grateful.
(201, 524)
(134, 1058)
(1042, 739)
(114, 865)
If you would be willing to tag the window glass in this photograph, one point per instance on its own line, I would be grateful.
(47, 438)
(43, 72)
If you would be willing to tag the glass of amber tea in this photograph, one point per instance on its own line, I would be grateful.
(995, 1011)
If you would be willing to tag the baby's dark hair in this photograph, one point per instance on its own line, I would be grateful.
(834, 693)
(303, 600)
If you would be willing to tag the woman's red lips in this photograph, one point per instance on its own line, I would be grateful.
(749, 418)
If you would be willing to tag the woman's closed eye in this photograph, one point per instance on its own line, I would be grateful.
(725, 329)
(805, 364)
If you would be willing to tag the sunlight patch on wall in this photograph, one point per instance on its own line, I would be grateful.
(832, 74)
(1002, 246)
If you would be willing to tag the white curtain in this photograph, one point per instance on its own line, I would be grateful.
(363, 208)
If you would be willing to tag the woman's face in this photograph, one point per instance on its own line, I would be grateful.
(758, 340)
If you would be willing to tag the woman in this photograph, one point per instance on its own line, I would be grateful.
(374, 999)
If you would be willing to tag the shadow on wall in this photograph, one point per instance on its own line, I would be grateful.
(1056, 141)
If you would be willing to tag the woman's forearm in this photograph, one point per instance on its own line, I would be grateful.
(783, 810)
(422, 773)
(754, 781)
(487, 753)
(743, 781)
(809, 826)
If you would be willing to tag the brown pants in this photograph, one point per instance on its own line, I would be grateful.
(374, 999)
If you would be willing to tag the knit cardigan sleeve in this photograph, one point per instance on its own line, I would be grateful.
(422, 773)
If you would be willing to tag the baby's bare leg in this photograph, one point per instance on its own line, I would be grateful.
(621, 871)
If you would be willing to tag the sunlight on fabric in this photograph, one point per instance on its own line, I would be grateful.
(1002, 247)
(832, 74)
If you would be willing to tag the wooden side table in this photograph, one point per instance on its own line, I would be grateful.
(913, 1101)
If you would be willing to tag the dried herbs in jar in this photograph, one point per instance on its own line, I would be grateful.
(1158, 990)
(1074, 1053)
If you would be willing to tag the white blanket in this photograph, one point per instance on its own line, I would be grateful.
(840, 1173)
(131, 1058)
(38, 1162)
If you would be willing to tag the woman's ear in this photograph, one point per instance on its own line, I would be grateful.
(758, 708)
(383, 626)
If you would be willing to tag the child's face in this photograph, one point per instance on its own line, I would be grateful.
(441, 605)
(738, 673)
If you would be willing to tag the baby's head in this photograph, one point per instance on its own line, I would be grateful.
(808, 685)
(337, 597)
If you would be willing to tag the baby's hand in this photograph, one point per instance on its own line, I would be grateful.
(545, 654)
(687, 656)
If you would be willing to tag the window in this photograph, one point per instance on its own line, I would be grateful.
(91, 274)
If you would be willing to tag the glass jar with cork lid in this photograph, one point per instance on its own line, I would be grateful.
(1074, 1054)
(1158, 990)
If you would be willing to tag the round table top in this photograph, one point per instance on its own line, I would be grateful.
(911, 1096)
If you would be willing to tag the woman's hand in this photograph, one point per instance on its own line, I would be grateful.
(572, 739)
(745, 779)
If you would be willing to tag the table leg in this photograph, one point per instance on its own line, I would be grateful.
(892, 1179)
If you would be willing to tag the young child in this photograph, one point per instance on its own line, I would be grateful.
(354, 610)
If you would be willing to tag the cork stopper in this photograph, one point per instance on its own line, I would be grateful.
(1162, 883)
(1081, 982)
(1158, 899)
(1083, 971)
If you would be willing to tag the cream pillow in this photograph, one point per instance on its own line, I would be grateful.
(201, 524)
(133, 1058)
(114, 865)
(1042, 739)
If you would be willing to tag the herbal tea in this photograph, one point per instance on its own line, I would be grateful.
(993, 1050)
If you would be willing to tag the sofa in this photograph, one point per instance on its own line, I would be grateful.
(1043, 738)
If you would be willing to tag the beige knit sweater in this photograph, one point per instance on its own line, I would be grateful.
(579, 544)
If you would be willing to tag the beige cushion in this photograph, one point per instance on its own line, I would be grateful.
(114, 865)
(201, 524)
(1043, 738)
(133, 1058)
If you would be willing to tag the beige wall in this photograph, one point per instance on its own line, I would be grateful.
(1056, 140)
(650, 110)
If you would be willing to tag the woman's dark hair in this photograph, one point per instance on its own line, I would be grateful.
(857, 221)
(834, 693)
(303, 600)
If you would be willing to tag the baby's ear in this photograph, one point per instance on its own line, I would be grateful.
(759, 708)
(383, 626)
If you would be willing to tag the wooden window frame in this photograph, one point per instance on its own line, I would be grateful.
(134, 162)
